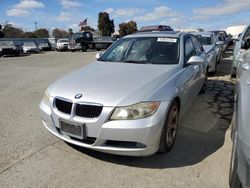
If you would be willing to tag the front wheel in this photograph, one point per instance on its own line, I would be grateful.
(169, 131)
(204, 86)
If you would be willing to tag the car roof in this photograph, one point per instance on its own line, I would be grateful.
(203, 33)
(174, 34)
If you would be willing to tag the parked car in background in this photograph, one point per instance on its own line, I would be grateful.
(211, 47)
(222, 36)
(62, 44)
(52, 42)
(29, 47)
(44, 45)
(8, 47)
(156, 28)
(240, 161)
(130, 100)
(237, 49)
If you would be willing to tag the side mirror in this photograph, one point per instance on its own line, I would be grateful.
(245, 44)
(196, 60)
(97, 56)
(220, 43)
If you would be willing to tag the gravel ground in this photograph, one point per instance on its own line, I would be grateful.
(32, 157)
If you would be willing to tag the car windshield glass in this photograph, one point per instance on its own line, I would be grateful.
(6, 43)
(247, 34)
(205, 39)
(29, 44)
(144, 50)
(60, 41)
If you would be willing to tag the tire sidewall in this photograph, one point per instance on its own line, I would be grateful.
(163, 148)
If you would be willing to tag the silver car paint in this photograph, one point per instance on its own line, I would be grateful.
(241, 127)
(238, 50)
(214, 51)
(119, 84)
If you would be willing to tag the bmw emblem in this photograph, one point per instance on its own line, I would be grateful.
(78, 96)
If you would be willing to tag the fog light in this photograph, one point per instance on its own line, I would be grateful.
(140, 145)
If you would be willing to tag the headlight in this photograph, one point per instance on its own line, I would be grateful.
(46, 99)
(136, 111)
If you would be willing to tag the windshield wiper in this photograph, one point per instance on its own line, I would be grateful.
(137, 62)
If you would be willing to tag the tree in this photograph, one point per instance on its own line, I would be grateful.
(10, 31)
(105, 25)
(1, 33)
(29, 34)
(87, 28)
(41, 33)
(127, 28)
(59, 33)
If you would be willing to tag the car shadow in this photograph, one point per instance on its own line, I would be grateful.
(201, 132)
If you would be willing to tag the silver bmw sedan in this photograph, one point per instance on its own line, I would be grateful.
(130, 100)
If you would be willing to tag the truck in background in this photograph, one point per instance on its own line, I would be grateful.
(85, 40)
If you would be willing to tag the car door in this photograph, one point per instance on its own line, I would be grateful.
(189, 76)
(201, 69)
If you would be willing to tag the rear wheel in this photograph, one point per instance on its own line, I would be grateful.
(84, 48)
(169, 130)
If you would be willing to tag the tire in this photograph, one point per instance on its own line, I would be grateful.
(169, 131)
(204, 87)
(233, 72)
(72, 50)
(84, 48)
(234, 181)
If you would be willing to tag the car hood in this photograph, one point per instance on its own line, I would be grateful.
(208, 48)
(112, 84)
(62, 43)
(4, 47)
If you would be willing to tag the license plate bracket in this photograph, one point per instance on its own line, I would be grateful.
(73, 129)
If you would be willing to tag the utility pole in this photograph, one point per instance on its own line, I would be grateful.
(35, 25)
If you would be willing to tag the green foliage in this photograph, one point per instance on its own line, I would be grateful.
(29, 34)
(59, 33)
(105, 25)
(127, 28)
(87, 28)
(10, 31)
(41, 33)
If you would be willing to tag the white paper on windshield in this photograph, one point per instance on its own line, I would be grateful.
(167, 40)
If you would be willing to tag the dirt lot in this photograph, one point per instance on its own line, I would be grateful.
(32, 157)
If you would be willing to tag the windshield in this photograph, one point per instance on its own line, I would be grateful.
(205, 39)
(6, 43)
(152, 50)
(29, 44)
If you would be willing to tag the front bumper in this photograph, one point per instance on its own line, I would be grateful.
(243, 169)
(122, 137)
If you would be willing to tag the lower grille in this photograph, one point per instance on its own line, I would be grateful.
(63, 106)
(88, 111)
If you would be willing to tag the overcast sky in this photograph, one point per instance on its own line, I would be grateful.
(210, 14)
